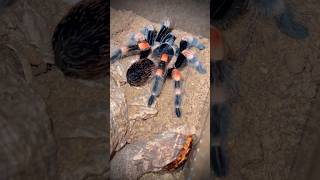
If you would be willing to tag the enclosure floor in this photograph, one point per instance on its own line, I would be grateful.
(273, 130)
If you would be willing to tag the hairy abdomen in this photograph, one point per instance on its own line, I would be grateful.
(80, 41)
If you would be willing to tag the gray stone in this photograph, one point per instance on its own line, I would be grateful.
(119, 125)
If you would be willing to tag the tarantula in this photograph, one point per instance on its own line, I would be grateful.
(163, 48)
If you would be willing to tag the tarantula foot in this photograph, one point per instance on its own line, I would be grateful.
(135, 38)
(129, 50)
(192, 42)
(116, 55)
(164, 30)
(149, 33)
(290, 27)
(178, 112)
(193, 60)
(218, 161)
(166, 23)
(151, 100)
(200, 68)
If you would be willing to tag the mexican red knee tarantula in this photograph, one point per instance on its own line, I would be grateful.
(163, 49)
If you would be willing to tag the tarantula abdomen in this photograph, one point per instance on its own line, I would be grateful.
(140, 72)
(79, 41)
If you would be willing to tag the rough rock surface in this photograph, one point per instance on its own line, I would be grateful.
(77, 109)
(119, 125)
(148, 122)
(138, 158)
(27, 145)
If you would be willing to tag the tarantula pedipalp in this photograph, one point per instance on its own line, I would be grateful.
(162, 47)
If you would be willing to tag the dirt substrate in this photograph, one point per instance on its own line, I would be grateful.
(279, 82)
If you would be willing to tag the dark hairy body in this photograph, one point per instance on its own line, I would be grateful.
(80, 40)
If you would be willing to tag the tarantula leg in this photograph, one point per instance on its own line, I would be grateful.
(145, 49)
(284, 17)
(164, 30)
(149, 33)
(132, 46)
(142, 46)
(181, 61)
(189, 41)
(218, 161)
(183, 45)
(169, 38)
(135, 38)
(193, 60)
(289, 26)
(159, 78)
(164, 48)
(157, 84)
(176, 75)
(216, 44)
(219, 122)
(122, 52)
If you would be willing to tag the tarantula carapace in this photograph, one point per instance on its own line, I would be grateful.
(163, 48)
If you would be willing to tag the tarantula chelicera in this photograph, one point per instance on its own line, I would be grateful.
(162, 47)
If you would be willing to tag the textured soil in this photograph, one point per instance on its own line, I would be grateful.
(274, 116)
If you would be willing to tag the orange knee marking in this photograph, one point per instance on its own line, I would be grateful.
(139, 37)
(124, 50)
(187, 53)
(159, 72)
(143, 45)
(176, 75)
(216, 44)
(216, 37)
(164, 57)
